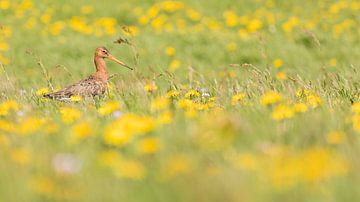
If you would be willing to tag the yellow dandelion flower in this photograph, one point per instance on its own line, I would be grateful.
(151, 87)
(281, 76)
(192, 93)
(356, 122)
(333, 62)
(170, 51)
(231, 19)
(282, 112)
(109, 107)
(174, 65)
(165, 118)
(42, 91)
(69, 115)
(148, 146)
(270, 97)
(30, 125)
(7, 106)
(237, 98)
(254, 25)
(172, 93)
(115, 136)
(191, 113)
(122, 131)
(313, 100)
(20, 156)
(4, 4)
(300, 107)
(184, 104)
(193, 15)
(81, 131)
(4, 46)
(159, 103)
(278, 63)
(356, 107)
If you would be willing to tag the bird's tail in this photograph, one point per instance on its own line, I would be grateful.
(59, 95)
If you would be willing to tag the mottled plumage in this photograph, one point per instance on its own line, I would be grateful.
(85, 88)
(95, 84)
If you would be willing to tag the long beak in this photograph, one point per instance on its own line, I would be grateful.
(118, 61)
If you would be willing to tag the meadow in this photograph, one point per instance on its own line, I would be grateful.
(248, 100)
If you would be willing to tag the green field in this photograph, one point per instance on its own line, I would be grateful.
(229, 101)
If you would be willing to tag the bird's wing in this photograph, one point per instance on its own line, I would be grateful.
(86, 87)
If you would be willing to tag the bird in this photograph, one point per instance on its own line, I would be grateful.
(94, 85)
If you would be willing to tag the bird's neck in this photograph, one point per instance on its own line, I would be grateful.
(101, 70)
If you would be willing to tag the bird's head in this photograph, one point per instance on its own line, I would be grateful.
(103, 52)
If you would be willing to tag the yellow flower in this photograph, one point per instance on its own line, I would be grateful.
(335, 137)
(231, 19)
(172, 6)
(356, 122)
(237, 98)
(278, 63)
(300, 107)
(42, 91)
(333, 62)
(192, 94)
(7, 106)
(356, 107)
(122, 131)
(20, 156)
(7, 126)
(148, 146)
(174, 65)
(281, 76)
(56, 28)
(170, 51)
(4, 46)
(30, 125)
(193, 15)
(4, 4)
(254, 25)
(159, 103)
(81, 131)
(282, 112)
(185, 103)
(151, 87)
(313, 100)
(75, 98)
(165, 118)
(191, 113)
(69, 115)
(172, 93)
(270, 97)
(109, 107)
